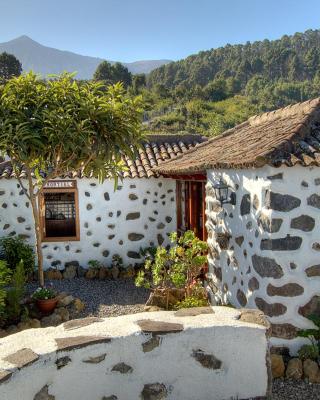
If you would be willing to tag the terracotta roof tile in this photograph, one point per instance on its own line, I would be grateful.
(154, 151)
(288, 136)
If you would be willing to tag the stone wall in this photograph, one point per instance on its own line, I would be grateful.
(264, 250)
(205, 353)
(140, 213)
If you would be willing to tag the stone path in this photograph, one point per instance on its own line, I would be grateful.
(105, 298)
(295, 390)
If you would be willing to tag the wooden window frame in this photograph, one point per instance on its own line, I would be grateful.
(72, 189)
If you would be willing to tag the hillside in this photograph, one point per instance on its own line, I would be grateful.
(213, 90)
(46, 60)
(291, 57)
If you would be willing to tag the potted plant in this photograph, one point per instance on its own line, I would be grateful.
(46, 299)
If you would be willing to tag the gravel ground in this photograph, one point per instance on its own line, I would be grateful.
(295, 390)
(103, 298)
(112, 298)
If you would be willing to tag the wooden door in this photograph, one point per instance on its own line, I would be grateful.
(191, 207)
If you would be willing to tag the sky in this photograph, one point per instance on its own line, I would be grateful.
(130, 30)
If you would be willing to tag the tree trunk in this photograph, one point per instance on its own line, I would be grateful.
(36, 217)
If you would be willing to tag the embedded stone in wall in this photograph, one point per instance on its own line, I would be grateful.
(77, 342)
(241, 297)
(168, 219)
(21, 220)
(132, 196)
(206, 360)
(4, 375)
(135, 237)
(276, 176)
(133, 215)
(245, 205)
(316, 246)
(314, 200)
(283, 244)
(281, 202)
(288, 290)
(253, 284)
(151, 344)
(154, 391)
(133, 254)
(284, 331)
(106, 196)
(266, 267)
(217, 272)
(239, 240)
(272, 310)
(89, 207)
(312, 307)
(269, 225)
(160, 239)
(303, 222)
(161, 225)
(122, 368)
(112, 397)
(105, 253)
(62, 362)
(314, 270)
(304, 184)
(22, 358)
(43, 394)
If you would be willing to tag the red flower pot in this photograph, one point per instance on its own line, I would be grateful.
(47, 306)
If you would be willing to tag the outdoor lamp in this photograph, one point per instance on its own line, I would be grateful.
(221, 190)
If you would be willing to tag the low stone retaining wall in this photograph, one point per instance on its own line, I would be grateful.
(203, 353)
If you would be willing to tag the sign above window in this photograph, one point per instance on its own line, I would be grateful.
(61, 184)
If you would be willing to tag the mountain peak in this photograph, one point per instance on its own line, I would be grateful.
(47, 60)
(23, 38)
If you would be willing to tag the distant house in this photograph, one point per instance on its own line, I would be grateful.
(83, 220)
(264, 243)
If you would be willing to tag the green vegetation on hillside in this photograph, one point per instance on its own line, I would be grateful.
(214, 90)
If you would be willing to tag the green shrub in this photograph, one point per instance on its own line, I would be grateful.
(94, 264)
(312, 350)
(309, 351)
(177, 267)
(191, 301)
(15, 293)
(5, 276)
(15, 249)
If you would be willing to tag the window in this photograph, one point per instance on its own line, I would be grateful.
(59, 211)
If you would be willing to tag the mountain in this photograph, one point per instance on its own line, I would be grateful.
(47, 60)
(293, 58)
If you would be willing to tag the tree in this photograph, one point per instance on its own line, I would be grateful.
(103, 72)
(111, 74)
(121, 74)
(58, 126)
(138, 82)
(9, 66)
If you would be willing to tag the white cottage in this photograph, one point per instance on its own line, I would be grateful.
(82, 219)
(265, 241)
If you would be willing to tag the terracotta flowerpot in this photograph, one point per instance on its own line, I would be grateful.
(47, 306)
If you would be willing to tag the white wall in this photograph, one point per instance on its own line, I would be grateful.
(235, 264)
(155, 200)
(242, 349)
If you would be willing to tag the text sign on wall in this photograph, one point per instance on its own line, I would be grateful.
(60, 184)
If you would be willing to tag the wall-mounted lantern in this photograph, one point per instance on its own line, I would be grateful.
(221, 190)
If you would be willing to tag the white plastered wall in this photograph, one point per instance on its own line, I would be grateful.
(242, 349)
(153, 198)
